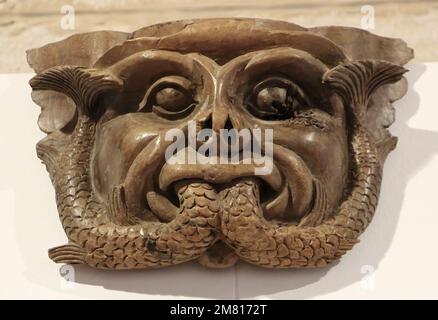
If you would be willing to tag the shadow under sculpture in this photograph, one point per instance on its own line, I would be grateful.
(108, 99)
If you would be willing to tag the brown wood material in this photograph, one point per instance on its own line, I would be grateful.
(107, 108)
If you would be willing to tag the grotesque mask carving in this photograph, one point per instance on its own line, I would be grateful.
(108, 113)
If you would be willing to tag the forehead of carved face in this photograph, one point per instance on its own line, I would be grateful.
(255, 79)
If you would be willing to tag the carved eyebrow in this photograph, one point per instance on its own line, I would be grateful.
(295, 63)
(144, 59)
(286, 56)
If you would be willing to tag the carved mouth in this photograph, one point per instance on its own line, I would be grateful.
(221, 176)
(215, 174)
(287, 192)
(277, 189)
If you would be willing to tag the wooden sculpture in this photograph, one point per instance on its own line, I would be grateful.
(109, 99)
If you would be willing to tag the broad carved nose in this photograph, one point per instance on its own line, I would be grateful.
(222, 108)
(227, 137)
(220, 117)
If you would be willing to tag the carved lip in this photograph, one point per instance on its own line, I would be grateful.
(215, 174)
(286, 192)
(221, 175)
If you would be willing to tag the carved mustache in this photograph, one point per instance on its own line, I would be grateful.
(290, 184)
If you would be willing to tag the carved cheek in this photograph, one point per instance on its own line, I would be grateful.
(326, 155)
(117, 144)
(323, 152)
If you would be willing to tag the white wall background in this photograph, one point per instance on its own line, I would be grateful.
(396, 258)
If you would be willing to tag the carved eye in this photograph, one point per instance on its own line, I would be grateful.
(276, 99)
(170, 98)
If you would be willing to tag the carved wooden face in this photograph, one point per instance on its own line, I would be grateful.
(124, 206)
(279, 89)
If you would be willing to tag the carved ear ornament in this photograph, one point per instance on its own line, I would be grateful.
(356, 81)
(83, 86)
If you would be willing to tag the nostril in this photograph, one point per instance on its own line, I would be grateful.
(207, 124)
(234, 141)
(228, 125)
